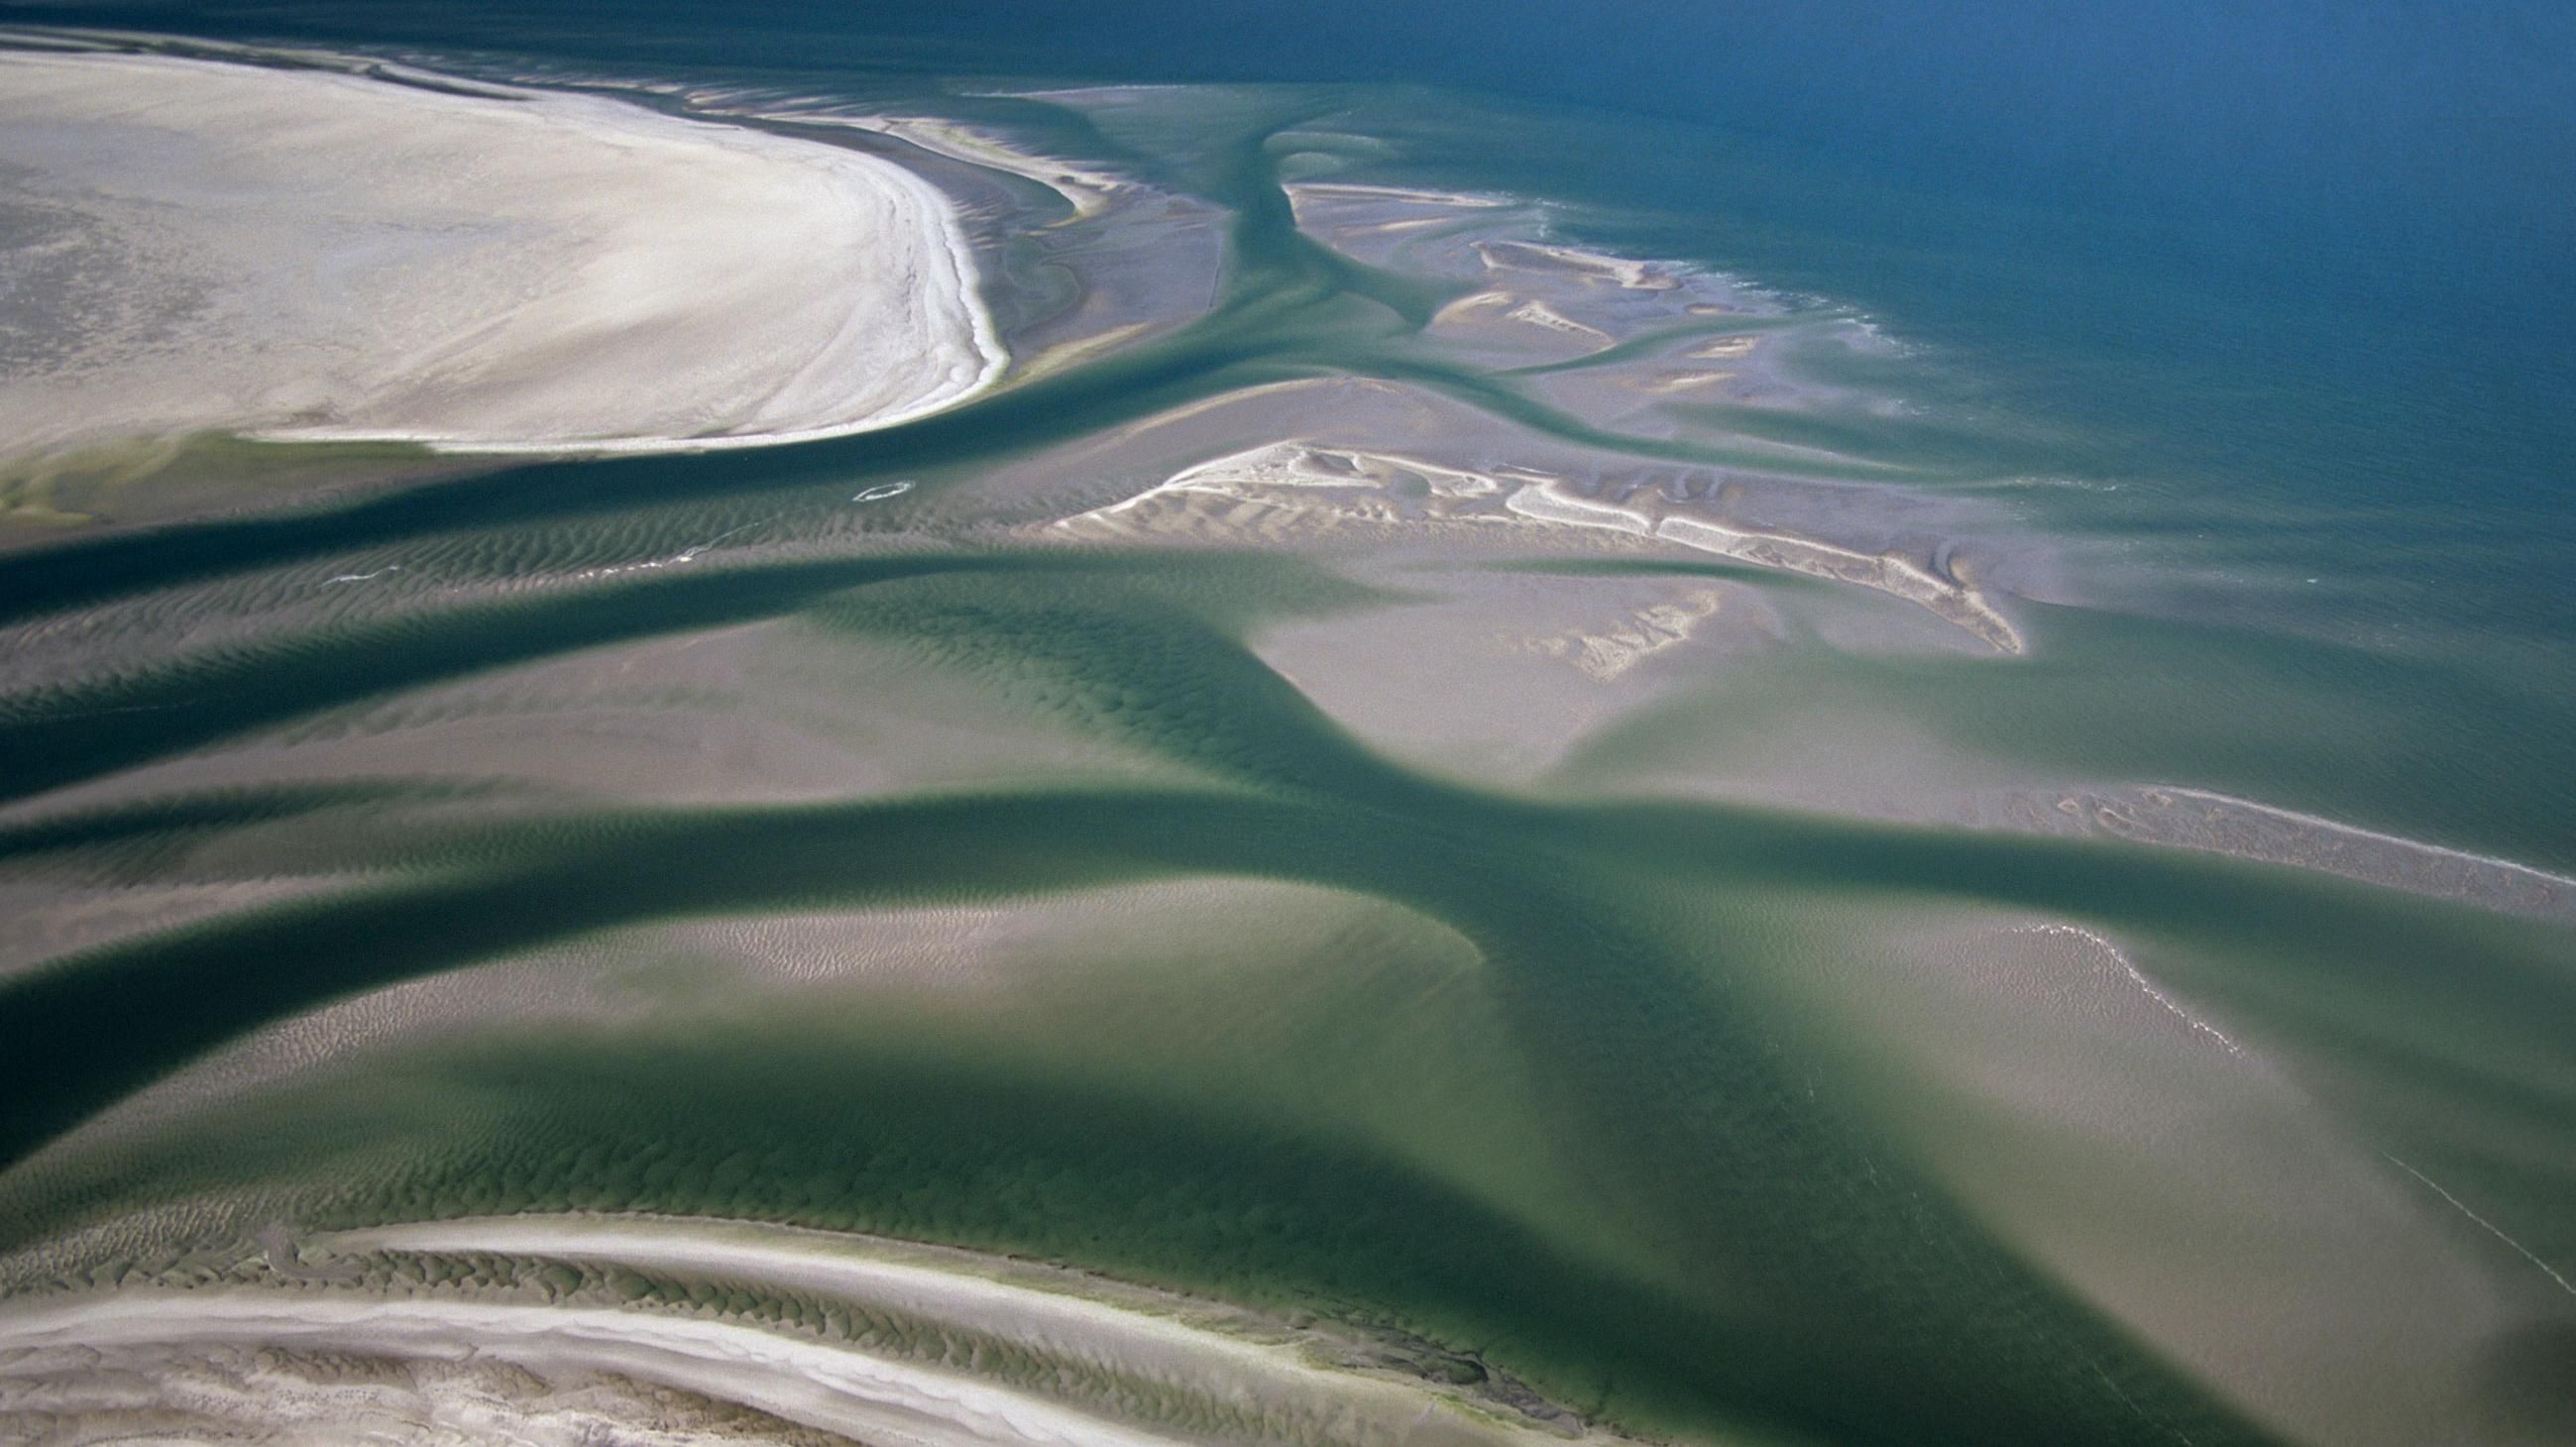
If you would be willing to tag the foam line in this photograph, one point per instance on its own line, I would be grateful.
(2145, 986)
(2485, 1225)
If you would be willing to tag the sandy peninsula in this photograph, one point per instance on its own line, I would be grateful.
(691, 1331)
(320, 254)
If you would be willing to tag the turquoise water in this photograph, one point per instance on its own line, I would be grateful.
(1762, 1054)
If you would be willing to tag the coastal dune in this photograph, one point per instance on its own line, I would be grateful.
(313, 254)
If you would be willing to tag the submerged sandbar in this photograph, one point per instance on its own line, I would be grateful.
(312, 254)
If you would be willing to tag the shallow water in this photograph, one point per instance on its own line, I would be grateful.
(1865, 899)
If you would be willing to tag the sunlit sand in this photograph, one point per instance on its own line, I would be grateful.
(871, 1339)
(319, 255)
(1297, 486)
(1424, 835)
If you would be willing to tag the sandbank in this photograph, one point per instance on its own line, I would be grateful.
(860, 1337)
(1279, 488)
(310, 254)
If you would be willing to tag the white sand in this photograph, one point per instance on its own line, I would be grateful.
(852, 1394)
(308, 254)
(1089, 190)
(1072, 1361)
(1275, 489)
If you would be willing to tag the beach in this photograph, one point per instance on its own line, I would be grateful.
(1474, 805)
(506, 271)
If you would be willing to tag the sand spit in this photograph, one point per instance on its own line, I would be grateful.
(1088, 190)
(2248, 829)
(1955, 599)
(1309, 194)
(849, 1337)
(2171, 816)
(1485, 308)
(2166, 816)
(309, 254)
(1306, 486)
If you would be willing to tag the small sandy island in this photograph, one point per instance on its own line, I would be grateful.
(312, 254)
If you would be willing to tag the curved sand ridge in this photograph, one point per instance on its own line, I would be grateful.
(569, 1329)
(1315, 485)
(308, 254)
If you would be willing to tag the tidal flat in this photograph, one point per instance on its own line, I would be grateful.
(1389, 823)
(264, 246)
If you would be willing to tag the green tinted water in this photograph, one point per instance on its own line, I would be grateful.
(1570, 1095)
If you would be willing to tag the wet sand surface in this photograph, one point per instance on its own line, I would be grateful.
(1412, 831)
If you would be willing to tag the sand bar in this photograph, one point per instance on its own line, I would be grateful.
(868, 1339)
(308, 254)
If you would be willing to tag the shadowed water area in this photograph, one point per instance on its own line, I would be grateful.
(1450, 781)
